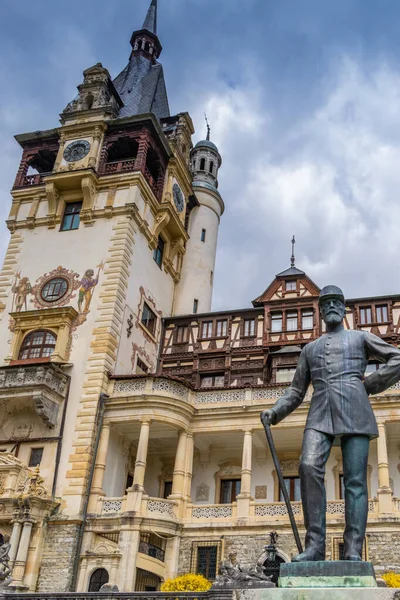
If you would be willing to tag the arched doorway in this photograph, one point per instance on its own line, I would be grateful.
(98, 579)
(146, 581)
(272, 568)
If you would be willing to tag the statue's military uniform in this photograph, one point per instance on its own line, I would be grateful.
(335, 365)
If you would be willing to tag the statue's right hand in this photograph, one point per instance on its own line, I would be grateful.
(268, 417)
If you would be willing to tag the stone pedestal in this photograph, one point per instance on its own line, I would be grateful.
(327, 574)
(319, 594)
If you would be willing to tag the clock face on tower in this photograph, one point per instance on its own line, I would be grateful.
(76, 151)
(178, 197)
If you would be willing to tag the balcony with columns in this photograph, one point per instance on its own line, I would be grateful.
(176, 447)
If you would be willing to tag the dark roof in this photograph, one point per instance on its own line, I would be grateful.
(141, 86)
(288, 350)
(206, 144)
(150, 22)
(291, 271)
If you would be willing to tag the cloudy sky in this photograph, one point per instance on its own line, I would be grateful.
(304, 102)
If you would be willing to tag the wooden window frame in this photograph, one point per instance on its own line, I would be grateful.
(152, 331)
(28, 346)
(292, 489)
(158, 254)
(310, 312)
(248, 320)
(57, 320)
(277, 312)
(145, 370)
(365, 308)
(292, 312)
(289, 285)
(31, 464)
(212, 376)
(209, 325)
(77, 214)
(222, 334)
(234, 494)
(185, 336)
(380, 307)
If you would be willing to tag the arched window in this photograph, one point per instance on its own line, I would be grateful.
(98, 579)
(203, 164)
(88, 103)
(147, 47)
(211, 169)
(139, 46)
(38, 344)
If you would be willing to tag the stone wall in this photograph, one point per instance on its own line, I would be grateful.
(58, 557)
(384, 551)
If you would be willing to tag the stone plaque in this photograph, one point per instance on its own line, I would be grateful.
(261, 492)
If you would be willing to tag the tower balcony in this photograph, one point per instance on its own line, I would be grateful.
(45, 385)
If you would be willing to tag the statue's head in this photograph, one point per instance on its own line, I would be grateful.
(89, 273)
(332, 305)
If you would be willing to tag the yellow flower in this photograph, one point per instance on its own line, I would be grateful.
(186, 583)
(392, 580)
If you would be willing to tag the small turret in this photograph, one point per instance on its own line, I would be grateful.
(205, 162)
(194, 292)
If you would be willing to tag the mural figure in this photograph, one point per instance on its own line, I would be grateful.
(20, 289)
(88, 283)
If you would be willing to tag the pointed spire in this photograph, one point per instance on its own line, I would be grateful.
(208, 128)
(292, 258)
(150, 22)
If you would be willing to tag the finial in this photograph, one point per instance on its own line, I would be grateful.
(208, 128)
(292, 258)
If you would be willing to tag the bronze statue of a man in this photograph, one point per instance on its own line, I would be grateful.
(335, 364)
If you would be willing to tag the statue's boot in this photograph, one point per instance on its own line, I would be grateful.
(355, 462)
(310, 554)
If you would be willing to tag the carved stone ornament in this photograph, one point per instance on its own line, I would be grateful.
(29, 482)
(261, 492)
(5, 570)
(232, 576)
(203, 493)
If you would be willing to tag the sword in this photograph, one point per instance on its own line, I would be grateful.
(283, 486)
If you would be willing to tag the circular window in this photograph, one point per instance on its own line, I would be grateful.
(54, 289)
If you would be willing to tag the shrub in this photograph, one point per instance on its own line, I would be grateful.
(392, 580)
(186, 583)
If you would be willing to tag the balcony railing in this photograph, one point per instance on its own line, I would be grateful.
(129, 166)
(31, 180)
(152, 551)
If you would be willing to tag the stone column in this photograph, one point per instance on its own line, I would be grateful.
(189, 466)
(22, 556)
(172, 557)
(99, 470)
(135, 493)
(244, 498)
(178, 481)
(141, 456)
(14, 541)
(94, 151)
(385, 494)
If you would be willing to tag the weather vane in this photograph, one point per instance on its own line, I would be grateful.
(208, 127)
(292, 258)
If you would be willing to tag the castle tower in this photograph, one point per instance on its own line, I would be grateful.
(194, 293)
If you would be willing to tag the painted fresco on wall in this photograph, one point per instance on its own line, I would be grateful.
(21, 289)
(55, 289)
(88, 283)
